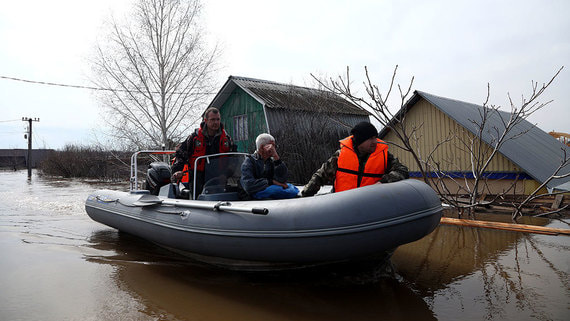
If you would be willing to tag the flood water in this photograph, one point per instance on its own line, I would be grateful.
(58, 264)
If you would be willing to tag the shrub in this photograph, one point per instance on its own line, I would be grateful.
(86, 162)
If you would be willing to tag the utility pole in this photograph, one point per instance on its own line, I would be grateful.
(30, 120)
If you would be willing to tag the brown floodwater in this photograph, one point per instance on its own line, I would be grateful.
(57, 264)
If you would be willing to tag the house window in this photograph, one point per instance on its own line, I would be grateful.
(240, 127)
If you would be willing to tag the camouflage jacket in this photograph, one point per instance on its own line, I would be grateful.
(395, 171)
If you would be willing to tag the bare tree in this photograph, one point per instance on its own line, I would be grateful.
(376, 102)
(304, 156)
(157, 69)
(535, 194)
(482, 146)
(493, 129)
(320, 122)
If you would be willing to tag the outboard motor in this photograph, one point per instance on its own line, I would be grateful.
(157, 175)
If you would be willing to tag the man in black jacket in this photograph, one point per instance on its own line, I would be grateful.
(263, 174)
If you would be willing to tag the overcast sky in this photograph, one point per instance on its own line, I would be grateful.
(452, 48)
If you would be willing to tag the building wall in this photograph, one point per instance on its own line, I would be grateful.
(521, 187)
(453, 156)
(434, 127)
(494, 186)
(18, 158)
(238, 104)
(307, 139)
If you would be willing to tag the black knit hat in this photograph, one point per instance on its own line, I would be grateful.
(362, 131)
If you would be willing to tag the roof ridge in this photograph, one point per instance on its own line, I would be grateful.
(253, 79)
(275, 83)
(447, 98)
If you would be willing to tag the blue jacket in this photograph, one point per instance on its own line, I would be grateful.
(257, 175)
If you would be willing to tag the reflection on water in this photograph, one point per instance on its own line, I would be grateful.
(58, 264)
(489, 274)
(176, 287)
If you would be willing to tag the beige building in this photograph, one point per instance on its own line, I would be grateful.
(446, 138)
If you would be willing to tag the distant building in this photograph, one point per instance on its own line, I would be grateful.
(530, 159)
(306, 122)
(564, 138)
(18, 158)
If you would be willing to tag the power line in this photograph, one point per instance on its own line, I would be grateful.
(11, 133)
(54, 84)
(47, 83)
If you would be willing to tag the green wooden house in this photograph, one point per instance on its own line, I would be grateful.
(306, 122)
(250, 107)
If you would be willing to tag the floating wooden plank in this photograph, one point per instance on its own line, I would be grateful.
(505, 226)
(557, 201)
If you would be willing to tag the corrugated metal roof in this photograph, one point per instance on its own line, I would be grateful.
(535, 151)
(563, 187)
(287, 96)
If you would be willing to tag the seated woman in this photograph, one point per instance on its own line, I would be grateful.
(263, 174)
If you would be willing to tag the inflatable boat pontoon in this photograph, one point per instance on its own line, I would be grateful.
(218, 228)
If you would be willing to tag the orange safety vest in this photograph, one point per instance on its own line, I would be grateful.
(348, 175)
(199, 142)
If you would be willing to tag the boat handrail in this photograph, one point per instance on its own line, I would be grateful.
(207, 157)
(133, 180)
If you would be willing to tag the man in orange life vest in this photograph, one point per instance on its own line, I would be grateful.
(210, 138)
(362, 160)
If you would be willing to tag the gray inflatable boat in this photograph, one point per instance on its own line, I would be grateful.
(218, 228)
